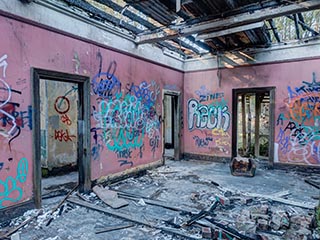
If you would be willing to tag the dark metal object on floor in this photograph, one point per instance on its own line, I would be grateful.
(131, 219)
(240, 166)
(203, 213)
(229, 231)
(113, 228)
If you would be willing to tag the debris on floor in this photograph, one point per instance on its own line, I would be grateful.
(181, 200)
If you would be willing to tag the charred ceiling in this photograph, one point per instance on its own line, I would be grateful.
(199, 27)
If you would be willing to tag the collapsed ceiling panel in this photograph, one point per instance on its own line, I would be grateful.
(194, 28)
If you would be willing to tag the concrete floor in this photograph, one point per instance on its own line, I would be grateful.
(189, 185)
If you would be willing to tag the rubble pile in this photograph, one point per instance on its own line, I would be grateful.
(173, 202)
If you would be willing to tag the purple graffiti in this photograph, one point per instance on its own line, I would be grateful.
(125, 153)
(125, 162)
(146, 92)
(106, 85)
(202, 142)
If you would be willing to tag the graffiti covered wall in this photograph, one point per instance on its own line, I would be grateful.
(125, 96)
(15, 127)
(208, 116)
(208, 104)
(298, 138)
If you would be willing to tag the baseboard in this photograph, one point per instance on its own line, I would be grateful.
(203, 157)
(17, 210)
(297, 167)
(136, 171)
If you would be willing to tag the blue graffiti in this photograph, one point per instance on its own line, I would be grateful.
(95, 151)
(283, 141)
(154, 143)
(106, 85)
(125, 153)
(96, 146)
(146, 92)
(306, 89)
(125, 162)
(125, 122)
(202, 142)
(316, 152)
(280, 119)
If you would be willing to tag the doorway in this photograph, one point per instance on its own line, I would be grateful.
(61, 135)
(171, 126)
(253, 124)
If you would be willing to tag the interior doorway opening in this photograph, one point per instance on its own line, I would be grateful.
(253, 123)
(59, 111)
(171, 126)
(61, 134)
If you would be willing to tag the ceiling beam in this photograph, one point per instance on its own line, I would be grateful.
(233, 21)
(305, 26)
(230, 31)
(274, 30)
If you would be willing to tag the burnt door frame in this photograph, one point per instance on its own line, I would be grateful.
(176, 110)
(83, 156)
(260, 90)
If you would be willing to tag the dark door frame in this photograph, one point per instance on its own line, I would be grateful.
(176, 110)
(235, 93)
(83, 158)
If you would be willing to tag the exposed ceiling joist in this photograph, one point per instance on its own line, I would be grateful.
(233, 21)
(304, 26)
(230, 31)
(274, 30)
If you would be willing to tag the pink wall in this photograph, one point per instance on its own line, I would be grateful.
(297, 109)
(126, 108)
(126, 105)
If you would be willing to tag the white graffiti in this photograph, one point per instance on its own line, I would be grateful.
(6, 98)
(4, 64)
(212, 116)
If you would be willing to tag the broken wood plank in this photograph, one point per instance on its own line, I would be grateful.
(313, 183)
(280, 200)
(55, 193)
(25, 222)
(60, 204)
(228, 230)
(281, 193)
(157, 193)
(109, 197)
(113, 228)
(131, 219)
(202, 213)
(138, 196)
(64, 199)
(156, 203)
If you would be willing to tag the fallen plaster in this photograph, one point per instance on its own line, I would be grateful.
(245, 205)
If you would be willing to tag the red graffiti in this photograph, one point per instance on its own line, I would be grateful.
(63, 135)
(66, 120)
(62, 105)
